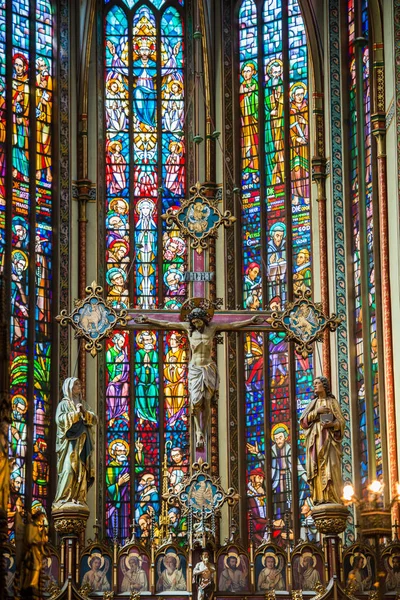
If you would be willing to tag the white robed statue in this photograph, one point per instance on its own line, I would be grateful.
(74, 446)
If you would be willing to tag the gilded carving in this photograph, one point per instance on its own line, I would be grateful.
(70, 526)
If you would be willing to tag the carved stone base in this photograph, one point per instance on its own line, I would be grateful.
(330, 519)
(70, 518)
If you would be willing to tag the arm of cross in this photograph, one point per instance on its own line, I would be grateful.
(222, 320)
(165, 320)
(225, 323)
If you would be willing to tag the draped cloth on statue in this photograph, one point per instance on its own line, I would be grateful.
(74, 447)
(323, 451)
(203, 383)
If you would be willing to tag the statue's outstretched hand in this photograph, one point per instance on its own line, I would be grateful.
(141, 319)
(258, 319)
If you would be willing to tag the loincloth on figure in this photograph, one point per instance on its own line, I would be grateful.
(203, 384)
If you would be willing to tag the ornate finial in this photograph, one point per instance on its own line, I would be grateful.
(85, 590)
(270, 595)
(320, 589)
(198, 218)
(164, 518)
(96, 528)
(135, 595)
(297, 594)
(374, 594)
(303, 322)
(108, 595)
(133, 526)
(53, 590)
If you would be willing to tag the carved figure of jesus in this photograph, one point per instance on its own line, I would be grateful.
(203, 376)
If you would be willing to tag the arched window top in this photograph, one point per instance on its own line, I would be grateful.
(156, 3)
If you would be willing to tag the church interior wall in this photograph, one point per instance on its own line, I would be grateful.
(213, 11)
(92, 232)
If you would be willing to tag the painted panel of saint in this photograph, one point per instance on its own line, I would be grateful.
(133, 571)
(96, 570)
(391, 561)
(307, 569)
(359, 569)
(233, 569)
(171, 572)
(9, 569)
(50, 571)
(270, 570)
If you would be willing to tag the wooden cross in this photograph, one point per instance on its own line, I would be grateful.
(302, 322)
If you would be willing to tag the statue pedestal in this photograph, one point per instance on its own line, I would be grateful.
(70, 523)
(331, 519)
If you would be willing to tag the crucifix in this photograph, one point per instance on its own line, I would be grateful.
(303, 322)
(198, 219)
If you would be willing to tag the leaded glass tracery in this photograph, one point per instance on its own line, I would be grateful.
(26, 237)
(363, 235)
(146, 392)
(275, 192)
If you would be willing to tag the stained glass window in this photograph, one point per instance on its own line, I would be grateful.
(361, 172)
(146, 391)
(26, 236)
(275, 185)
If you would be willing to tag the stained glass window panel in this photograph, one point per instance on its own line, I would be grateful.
(265, 225)
(146, 261)
(3, 121)
(32, 245)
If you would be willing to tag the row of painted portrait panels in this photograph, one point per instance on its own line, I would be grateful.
(231, 574)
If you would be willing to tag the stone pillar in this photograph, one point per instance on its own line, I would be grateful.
(319, 177)
(84, 186)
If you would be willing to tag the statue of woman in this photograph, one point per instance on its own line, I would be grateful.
(323, 423)
(74, 446)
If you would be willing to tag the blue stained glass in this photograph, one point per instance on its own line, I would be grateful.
(270, 263)
(156, 3)
(140, 141)
(31, 158)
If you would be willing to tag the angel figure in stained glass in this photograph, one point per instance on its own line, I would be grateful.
(116, 105)
(115, 167)
(173, 113)
(175, 168)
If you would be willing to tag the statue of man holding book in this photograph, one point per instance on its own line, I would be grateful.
(323, 424)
